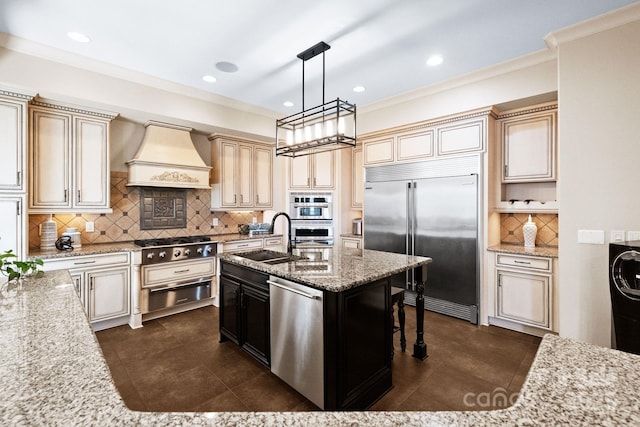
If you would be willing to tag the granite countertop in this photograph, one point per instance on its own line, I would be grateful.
(104, 248)
(345, 268)
(546, 251)
(53, 373)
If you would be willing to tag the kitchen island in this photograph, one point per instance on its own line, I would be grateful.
(52, 372)
(321, 320)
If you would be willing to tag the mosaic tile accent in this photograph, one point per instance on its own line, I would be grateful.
(123, 225)
(511, 228)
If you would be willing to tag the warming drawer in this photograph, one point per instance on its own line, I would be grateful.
(178, 271)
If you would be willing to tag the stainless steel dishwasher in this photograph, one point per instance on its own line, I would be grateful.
(297, 333)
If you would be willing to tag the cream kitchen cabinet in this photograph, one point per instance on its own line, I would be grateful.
(13, 224)
(13, 134)
(242, 174)
(529, 146)
(69, 159)
(525, 290)
(357, 190)
(102, 283)
(352, 242)
(313, 172)
(441, 137)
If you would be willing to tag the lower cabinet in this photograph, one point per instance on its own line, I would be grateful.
(102, 283)
(524, 290)
(350, 242)
(244, 310)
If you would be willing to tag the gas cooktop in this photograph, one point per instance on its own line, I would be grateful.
(171, 241)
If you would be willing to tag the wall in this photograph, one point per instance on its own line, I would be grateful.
(124, 223)
(599, 148)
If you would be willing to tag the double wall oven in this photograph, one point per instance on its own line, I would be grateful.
(311, 218)
(176, 271)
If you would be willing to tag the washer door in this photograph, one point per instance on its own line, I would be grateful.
(625, 272)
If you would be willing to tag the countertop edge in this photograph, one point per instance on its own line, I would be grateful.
(541, 251)
(570, 382)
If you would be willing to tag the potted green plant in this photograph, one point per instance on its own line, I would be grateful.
(14, 269)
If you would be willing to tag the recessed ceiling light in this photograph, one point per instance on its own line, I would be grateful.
(434, 60)
(287, 104)
(78, 37)
(359, 89)
(209, 78)
(227, 67)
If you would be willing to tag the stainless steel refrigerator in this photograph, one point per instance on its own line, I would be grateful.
(429, 209)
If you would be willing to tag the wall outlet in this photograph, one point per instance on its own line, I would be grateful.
(633, 235)
(255, 220)
(617, 236)
(594, 237)
(89, 227)
(214, 222)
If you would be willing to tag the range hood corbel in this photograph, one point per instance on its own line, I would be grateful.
(168, 158)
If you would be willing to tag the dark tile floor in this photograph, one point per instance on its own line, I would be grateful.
(177, 364)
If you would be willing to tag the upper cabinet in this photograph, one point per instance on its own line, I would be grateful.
(313, 172)
(13, 134)
(529, 147)
(452, 135)
(242, 173)
(525, 159)
(69, 159)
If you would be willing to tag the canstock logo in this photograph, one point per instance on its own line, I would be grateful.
(498, 398)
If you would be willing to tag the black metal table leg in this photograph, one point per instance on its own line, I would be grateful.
(420, 348)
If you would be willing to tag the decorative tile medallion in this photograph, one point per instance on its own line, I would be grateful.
(162, 208)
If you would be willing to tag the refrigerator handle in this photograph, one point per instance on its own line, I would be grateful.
(409, 231)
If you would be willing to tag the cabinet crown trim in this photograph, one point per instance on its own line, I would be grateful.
(40, 102)
(15, 94)
(526, 111)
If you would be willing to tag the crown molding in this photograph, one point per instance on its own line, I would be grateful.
(597, 24)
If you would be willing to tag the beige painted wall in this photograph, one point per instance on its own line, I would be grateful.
(599, 154)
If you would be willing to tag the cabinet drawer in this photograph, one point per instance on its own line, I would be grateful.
(239, 245)
(272, 241)
(533, 263)
(182, 271)
(90, 261)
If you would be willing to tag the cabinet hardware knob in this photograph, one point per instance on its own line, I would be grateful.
(79, 196)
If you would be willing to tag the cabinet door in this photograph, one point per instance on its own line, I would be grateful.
(300, 172)
(245, 176)
(255, 323)
(263, 177)
(229, 307)
(529, 148)
(351, 243)
(12, 225)
(524, 298)
(324, 165)
(13, 137)
(379, 151)
(357, 192)
(92, 163)
(228, 164)
(79, 285)
(50, 160)
(108, 293)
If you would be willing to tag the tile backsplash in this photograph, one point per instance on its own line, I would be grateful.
(124, 223)
(511, 228)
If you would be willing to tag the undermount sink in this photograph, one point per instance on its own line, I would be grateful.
(270, 257)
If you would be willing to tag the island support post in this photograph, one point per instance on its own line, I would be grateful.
(420, 348)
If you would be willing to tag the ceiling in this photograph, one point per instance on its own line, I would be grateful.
(381, 45)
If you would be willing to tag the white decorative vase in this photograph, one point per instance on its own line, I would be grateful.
(48, 234)
(529, 229)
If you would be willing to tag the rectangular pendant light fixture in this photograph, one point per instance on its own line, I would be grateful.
(329, 126)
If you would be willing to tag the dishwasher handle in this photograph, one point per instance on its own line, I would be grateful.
(286, 288)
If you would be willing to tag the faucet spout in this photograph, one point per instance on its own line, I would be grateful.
(290, 243)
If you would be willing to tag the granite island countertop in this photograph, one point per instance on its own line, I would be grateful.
(344, 269)
(52, 372)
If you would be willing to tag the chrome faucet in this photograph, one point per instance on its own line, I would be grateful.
(290, 243)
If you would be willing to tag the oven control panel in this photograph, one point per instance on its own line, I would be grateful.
(161, 254)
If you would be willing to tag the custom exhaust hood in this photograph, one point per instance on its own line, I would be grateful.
(168, 158)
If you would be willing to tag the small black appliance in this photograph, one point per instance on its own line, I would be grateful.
(624, 285)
